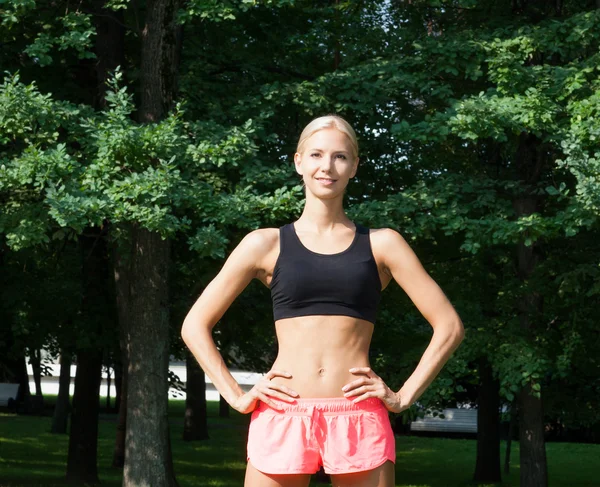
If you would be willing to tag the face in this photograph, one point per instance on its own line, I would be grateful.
(326, 162)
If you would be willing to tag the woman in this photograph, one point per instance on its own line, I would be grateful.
(321, 404)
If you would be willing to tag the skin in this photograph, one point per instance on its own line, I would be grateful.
(323, 356)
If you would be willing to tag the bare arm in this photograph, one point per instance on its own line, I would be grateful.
(448, 330)
(237, 272)
(401, 262)
(239, 269)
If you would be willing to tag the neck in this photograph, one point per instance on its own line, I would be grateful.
(323, 214)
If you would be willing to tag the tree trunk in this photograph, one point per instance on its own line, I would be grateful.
(83, 437)
(109, 47)
(487, 468)
(161, 46)
(529, 161)
(22, 377)
(558, 7)
(13, 364)
(118, 380)
(195, 425)
(36, 367)
(534, 471)
(13, 368)
(121, 261)
(119, 451)
(511, 433)
(532, 450)
(61, 409)
(107, 388)
(223, 407)
(148, 459)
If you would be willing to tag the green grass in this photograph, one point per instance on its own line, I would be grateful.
(30, 455)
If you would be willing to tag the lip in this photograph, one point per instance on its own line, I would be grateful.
(326, 181)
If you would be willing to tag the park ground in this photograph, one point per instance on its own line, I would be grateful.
(31, 456)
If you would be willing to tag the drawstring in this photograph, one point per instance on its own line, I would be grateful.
(314, 412)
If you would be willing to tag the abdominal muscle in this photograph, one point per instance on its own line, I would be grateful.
(318, 352)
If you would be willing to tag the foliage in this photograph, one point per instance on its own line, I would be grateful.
(442, 95)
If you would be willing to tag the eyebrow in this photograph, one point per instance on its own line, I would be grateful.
(321, 150)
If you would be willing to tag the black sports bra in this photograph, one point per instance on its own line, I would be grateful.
(308, 283)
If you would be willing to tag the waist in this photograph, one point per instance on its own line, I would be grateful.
(319, 351)
(326, 405)
(320, 380)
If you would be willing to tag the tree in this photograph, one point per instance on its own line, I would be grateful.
(470, 140)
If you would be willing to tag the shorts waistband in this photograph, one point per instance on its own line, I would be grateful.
(326, 405)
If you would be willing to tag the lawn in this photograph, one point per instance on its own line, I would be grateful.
(31, 456)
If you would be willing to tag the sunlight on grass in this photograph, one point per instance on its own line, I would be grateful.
(417, 451)
(5, 440)
(213, 466)
(33, 456)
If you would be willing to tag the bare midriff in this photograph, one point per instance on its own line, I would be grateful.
(319, 350)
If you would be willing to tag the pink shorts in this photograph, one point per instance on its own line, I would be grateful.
(334, 432)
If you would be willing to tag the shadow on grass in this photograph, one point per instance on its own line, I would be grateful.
(31, 456)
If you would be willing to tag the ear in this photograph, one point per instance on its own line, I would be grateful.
(297, 162)
(355, 168)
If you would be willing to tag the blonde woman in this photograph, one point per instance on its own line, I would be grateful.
(321, 403)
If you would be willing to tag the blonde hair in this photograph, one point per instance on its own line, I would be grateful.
(325, 122)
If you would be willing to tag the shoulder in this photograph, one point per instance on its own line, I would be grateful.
(260, 240)
(387, 237)
(389, 246)
(258, 246)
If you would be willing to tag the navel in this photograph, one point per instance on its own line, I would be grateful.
(321, 371)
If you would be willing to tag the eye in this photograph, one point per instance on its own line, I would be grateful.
(314, 154)
(342, 156)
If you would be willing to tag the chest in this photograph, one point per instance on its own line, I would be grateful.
(351, 276)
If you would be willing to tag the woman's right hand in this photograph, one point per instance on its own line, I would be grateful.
(263, 390)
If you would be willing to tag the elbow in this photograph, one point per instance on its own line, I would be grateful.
(184, 333)
(458, 332)
(450, 332)
(186, 330)
(192, 331)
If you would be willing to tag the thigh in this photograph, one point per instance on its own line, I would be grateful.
(256, 478)
(382, 476)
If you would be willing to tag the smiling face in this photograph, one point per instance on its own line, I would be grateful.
(327, 162)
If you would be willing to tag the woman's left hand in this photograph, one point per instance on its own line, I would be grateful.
(371, 385)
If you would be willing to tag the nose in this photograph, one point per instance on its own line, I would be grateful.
(327, 162)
